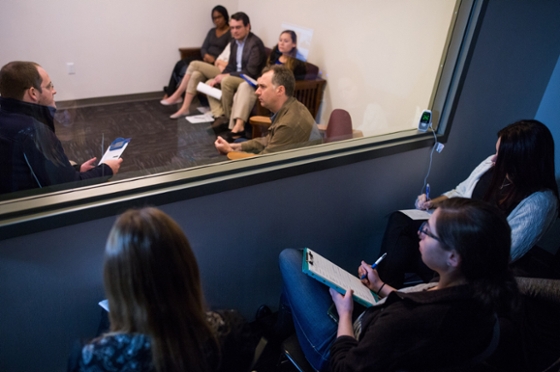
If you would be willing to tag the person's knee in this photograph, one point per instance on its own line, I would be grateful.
(230, 83)
(194, 66)
(289, 259)
(398, 218)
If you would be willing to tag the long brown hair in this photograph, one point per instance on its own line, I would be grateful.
(153, 285)
(525, 164)
(481, 235)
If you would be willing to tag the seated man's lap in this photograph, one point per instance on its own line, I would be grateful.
(231, 82)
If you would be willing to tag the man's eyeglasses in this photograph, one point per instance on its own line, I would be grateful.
(424, 230)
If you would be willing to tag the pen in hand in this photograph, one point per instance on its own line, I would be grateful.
(375, 264)
(427, 191)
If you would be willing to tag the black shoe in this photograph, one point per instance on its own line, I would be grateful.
(262, 312)
(220, 125)
(232, 136)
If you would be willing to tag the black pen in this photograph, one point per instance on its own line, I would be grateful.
(375, 264)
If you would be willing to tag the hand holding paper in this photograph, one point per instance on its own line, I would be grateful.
(209, 91)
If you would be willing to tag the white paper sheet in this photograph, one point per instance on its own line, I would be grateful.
(209, 91)
(417, 214)
(199, 119)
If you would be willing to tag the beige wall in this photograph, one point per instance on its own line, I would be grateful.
(118, 47)
(380, 57)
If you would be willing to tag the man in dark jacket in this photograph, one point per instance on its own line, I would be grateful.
(247, 57)
(31, 155)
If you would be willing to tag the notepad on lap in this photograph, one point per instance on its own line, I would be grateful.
(417, 214)
(339, 279)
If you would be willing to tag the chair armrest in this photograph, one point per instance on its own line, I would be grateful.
(236, 155)
(192, 53)
(260, 125)
(261, 121)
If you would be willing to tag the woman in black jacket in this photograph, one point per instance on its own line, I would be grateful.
(448, 323)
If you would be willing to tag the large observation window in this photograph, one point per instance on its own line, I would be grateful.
(384, 62)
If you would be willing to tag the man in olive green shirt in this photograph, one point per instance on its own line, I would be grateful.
(292, 124)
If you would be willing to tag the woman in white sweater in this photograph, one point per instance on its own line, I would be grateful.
(519, 179)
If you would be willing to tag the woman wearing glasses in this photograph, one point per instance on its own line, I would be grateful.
(445, 324)
(519, 179)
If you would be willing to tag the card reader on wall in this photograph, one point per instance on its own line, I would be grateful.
(425, 121)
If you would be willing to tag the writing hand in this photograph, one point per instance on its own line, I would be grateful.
(422, 202)
(372, 280)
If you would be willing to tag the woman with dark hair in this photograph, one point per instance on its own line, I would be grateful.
(283, 53)
(519, 179)
(157, 310)
(215, 42)
(450, 323)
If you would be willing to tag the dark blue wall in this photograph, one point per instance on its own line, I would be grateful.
(50, 281)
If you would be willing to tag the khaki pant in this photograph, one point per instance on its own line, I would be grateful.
(243, 103)
(200, 72)
(223, 107)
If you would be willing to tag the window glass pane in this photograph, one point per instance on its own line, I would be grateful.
(381, 62)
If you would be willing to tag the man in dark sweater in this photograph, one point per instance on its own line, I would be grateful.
(247, 57)
(31, 155)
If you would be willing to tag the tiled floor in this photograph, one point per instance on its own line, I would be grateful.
(157, 143)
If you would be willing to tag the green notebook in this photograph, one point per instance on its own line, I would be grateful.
(340, 280)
